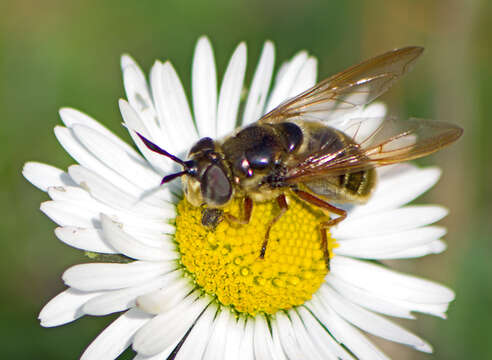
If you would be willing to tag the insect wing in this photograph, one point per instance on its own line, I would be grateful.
(347, 90)
(377, 142)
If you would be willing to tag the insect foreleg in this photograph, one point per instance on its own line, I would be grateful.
(325, 225)
(247, 211)
(282, 204)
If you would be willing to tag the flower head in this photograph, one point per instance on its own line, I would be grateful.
(192, 291)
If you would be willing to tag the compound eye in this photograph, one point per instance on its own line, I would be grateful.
(216, 187)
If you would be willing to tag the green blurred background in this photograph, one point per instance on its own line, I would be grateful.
(56, 53)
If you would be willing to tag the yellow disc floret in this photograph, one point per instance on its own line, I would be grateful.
(224, 261)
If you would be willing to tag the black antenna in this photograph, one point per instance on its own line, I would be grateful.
(161, 151)
(171, 177)
(157, 149)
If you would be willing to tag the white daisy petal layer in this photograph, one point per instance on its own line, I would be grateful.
(403, 290)
(219, 336)
(368, 299)
(130, 246)
(345, 333)
(72, 117)
(377, 247)
(387, 222)
(172, 108)
(234, 336)
(263, 342)
(87, 239)
(120, 300)
(196, 342)
(246, 349)
(85, 158)
(370, 322)
(65, 307)
(117, 336)
(204, 88)
(168, 296)
(306, 77)
(326, 345)
(167, 328)
(133, 122)
(259, 87)
(101, 276)
(285, 80)
(230, 92)
(44, 176)
(398, 186)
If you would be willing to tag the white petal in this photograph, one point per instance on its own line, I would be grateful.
(86, 214)
(134, 123)
(260, 85)
(168, 296)
(306, 77)
(216, 345)
(165, 329)
(246, 349)
(230, 92)
(376, 247)
(388, 222)
(72, 117)
(263, 342)
(196, 342)
(84, 238)
(73, 194)
(204, 88)
(174, 112)
(109, 194)
(65, 307)
(345, 334)
(384, 281)
(84, 157)
(120, 300)
(303, 339)
(370, 322)
(66, 214)
(43, 176)
(138, 95)
(434, 247)
(116, 337)
(285, 80)
(129, 246)
(286, 333)
(368, 299)
(399, 188)
(101, 276)
(324, 343)
(115, 158)
(235, 332)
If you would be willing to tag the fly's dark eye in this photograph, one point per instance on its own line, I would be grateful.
(292, 135)
(204, 144)
(215, 186)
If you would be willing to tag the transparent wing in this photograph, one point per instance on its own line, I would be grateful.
(345, 91)
(377, 142)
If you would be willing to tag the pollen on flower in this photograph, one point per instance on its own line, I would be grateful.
(225, 261)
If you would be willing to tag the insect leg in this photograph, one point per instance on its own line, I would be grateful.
(282, 203)
(247, 211)
(325, 225)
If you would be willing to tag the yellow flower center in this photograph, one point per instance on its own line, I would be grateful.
(224, 261)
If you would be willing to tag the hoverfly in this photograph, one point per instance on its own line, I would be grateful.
(292, 150)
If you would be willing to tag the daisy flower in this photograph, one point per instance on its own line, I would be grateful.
(188, 291)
